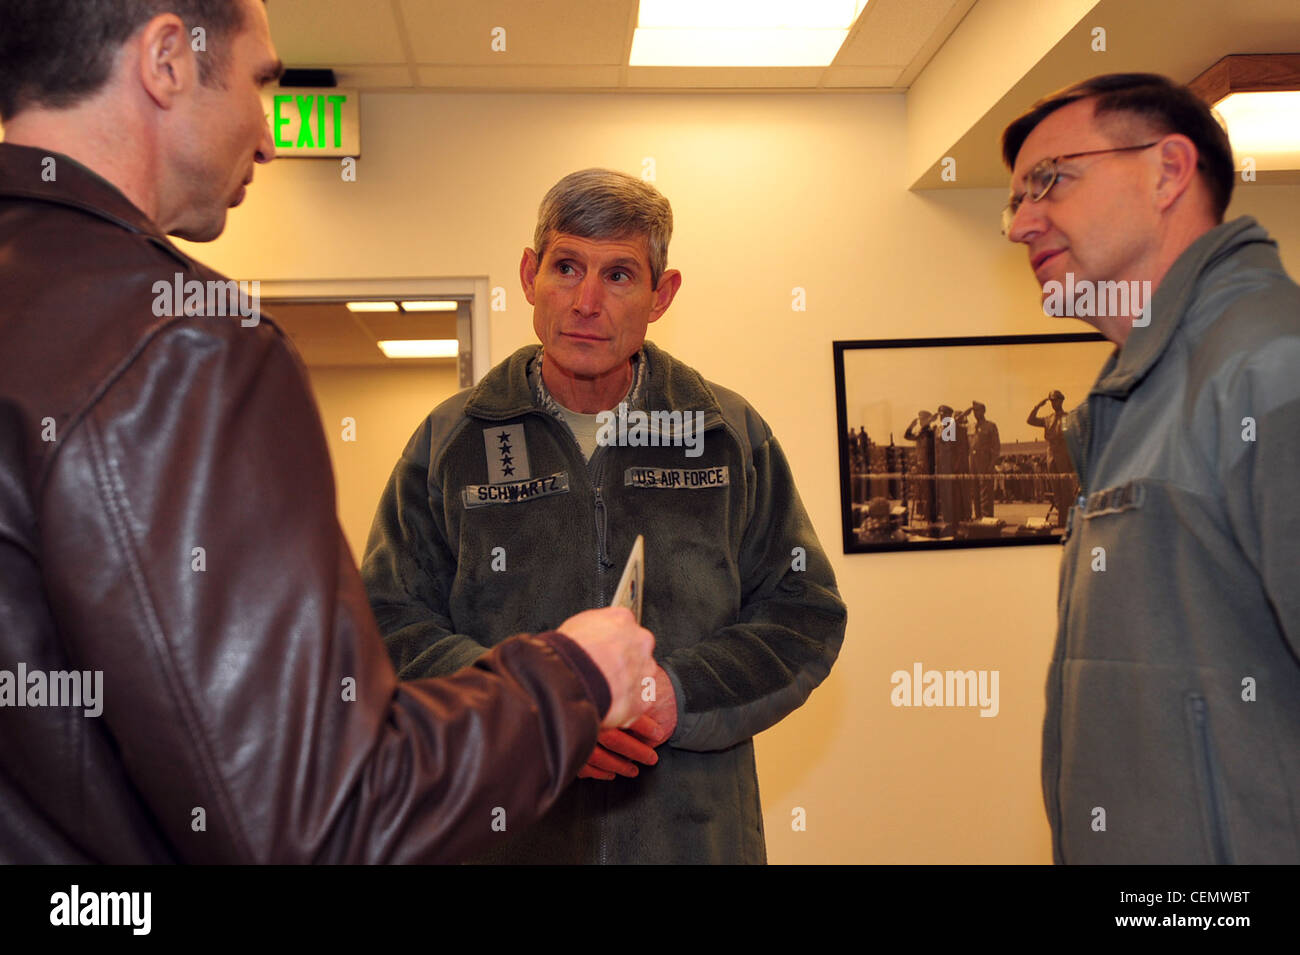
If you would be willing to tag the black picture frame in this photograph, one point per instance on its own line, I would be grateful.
(912, 493)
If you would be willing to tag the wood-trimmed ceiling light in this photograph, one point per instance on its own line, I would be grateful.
(1258, 97)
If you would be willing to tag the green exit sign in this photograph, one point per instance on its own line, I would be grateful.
(313, 122)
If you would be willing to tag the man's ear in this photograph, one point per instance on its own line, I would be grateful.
(167, 67)
(669, 283)
(1177, 155)
(528, 274)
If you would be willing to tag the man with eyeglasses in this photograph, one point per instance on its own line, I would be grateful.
(1172, 732)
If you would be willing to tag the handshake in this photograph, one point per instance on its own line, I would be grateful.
(643, 705)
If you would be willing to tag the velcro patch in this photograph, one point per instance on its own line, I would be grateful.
(513, 492)
(1112, 500)
(677, 478)
(507, 453)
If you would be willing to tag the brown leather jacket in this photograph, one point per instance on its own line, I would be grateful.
(249, 712)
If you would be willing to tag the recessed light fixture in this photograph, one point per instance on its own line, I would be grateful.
(1265, 126)
(449, 305)
(372, 306)
(420, 348)
(1258, 97)
(742, 32)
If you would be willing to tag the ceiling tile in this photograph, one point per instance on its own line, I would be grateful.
(590, 32)
(724, 77)
(891, 32)
(331, 32)
(531, 78)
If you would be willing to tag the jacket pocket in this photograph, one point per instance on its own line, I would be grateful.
(1208, 784)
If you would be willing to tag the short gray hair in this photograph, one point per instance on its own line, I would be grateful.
(605, 204)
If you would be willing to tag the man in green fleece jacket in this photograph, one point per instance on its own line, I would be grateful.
(518, 501)
(1172, 732)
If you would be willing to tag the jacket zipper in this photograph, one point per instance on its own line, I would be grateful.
(1200, 718)
(602, 530)
(602, 563)
(596, 474)
(1077, 443)
(1079, 437)
(602, 516)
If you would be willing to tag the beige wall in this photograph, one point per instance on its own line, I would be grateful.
(384, 405)
(770, 192)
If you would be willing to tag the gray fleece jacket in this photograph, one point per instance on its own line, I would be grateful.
(468, 548)
(1173, 700)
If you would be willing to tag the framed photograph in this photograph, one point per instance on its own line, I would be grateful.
(957, 442)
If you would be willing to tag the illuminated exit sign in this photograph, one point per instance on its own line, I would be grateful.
(313, 121)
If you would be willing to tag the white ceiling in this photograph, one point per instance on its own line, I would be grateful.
(569, 45)
(583, 46)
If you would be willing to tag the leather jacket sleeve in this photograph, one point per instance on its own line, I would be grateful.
(193, 555)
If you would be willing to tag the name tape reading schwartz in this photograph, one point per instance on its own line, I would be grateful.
(512, 492)
(677, 478)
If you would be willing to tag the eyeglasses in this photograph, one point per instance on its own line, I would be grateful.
(1042, 177)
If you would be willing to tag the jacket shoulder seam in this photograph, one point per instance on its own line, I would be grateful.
(114, 375)
(78, 416)
(746, 424)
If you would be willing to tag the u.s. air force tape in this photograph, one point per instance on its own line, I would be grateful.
(512, 492)
(677, 478)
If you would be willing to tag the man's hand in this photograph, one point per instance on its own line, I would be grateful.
(613, 744)
(653, 728)
(621, 649)
(663, 710)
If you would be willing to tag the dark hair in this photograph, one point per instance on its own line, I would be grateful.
(1158, 101)
(57, 52)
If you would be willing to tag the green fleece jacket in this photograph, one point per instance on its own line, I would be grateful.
(1173, 702)
(472, 543)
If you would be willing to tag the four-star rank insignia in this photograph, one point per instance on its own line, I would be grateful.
(507, 453)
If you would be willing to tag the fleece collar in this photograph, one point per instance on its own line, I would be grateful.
(667, 385)
(1198, 266)
(542, 395)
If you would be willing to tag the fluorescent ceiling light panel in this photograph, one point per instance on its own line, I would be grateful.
(742, 32)
(420, 348)
(372, 306)
(757, 14)
(1264, 126)
(440, 306)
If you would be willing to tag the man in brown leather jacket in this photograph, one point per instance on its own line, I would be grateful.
(189, 669)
